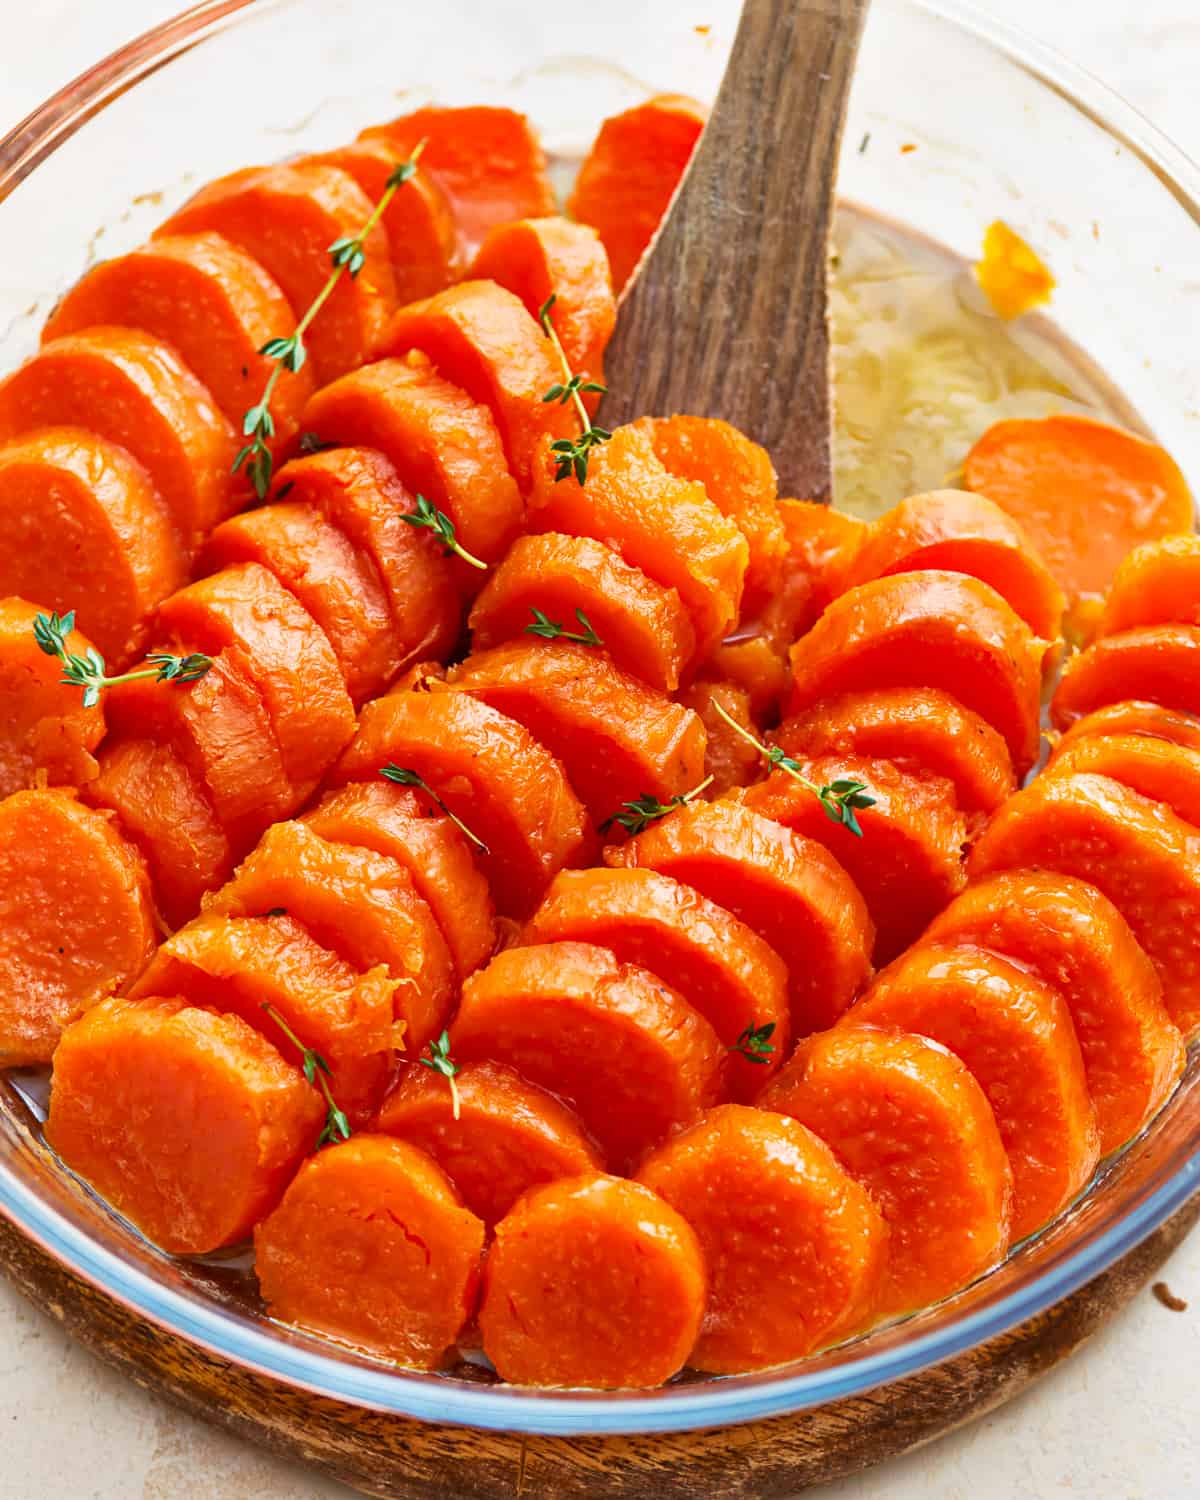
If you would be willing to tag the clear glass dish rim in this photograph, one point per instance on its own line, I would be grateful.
(504, 1408)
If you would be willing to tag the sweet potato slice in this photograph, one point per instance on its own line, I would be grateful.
(1158, 583)
(739, 478)
(393, 821)
(1076, 941)
(442, 444)
(76, 918)
(359, 490)
(246, 610)
(909, 861)
(595, 1281)
(930, 630)
(164, 809)
(665, 526)
(1016, 1036)
(536, 259)
(630, 175)
(796, 1249)
(1133, 716)
(509, 1135)
(1084, 492)
(615, 737)
(371, 1246)
(46, 734)
(360, 905)
(220, 727)
(644, 627)
(1165, 773)
(481, 337)
(486, 159)
(720, 967)
(188, 1123)
(910, 1124)
(240, 965)
(83, 529)
(787, 889)
(729, 758)
(626, 1051)
(922, 730)
(1156, 663)
(958, 532)
(134, 390)
(419, 221)
(287, 217)
(338, 585)
(1138, 853)
(490, 771)
(822, 545)
(214, 305)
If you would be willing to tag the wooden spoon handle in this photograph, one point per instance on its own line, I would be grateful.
(726, 316)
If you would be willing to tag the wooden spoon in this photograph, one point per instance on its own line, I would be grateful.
(726, 315)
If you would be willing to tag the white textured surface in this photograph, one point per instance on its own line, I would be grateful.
(1119, 1421)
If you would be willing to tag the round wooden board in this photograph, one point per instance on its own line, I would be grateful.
(392, 1457)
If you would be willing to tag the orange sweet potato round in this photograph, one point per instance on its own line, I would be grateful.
(729, 758)
(932, 630)
(615, 737)
(245, 610)
(592, 1281)
(1164, 772)
(922, 730)
(187, 1122)
(959, 532)
(216, 307)
(46, 734)
(667, 527)
(135, 391)
(1138, 853)
(631, 172)
(82, 528)
(786, 888)
(644, 626)
(720, 967)
(442, 444)
(371, 1246)
(1015, 1035)
(359, 904)
(240, 965)
(336, 583)
(76, 918)
(1076, 941)
(287, 217)
(796, 1249)
(509, 1135)
(627, 1052)
(490, 771)
(481, 337)
(165, 810)
(910, 1124)
(394, 821)
(1133, 716)
(1155, 663)
(908, 862)
(822, 545)
(1158, 583)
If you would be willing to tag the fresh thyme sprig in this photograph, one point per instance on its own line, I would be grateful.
(431, 519)
(838, 799)
(89, 671)
(646, 809)
(440, 1061)
(348, 256)
(318, 1073)
(551, 630)
(571, 454)
(402, 776)
(754, 1043)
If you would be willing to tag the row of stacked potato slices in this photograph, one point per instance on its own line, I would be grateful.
(679, 978)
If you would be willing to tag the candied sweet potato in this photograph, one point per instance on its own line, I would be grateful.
(1155, 663)
(1133, 716)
